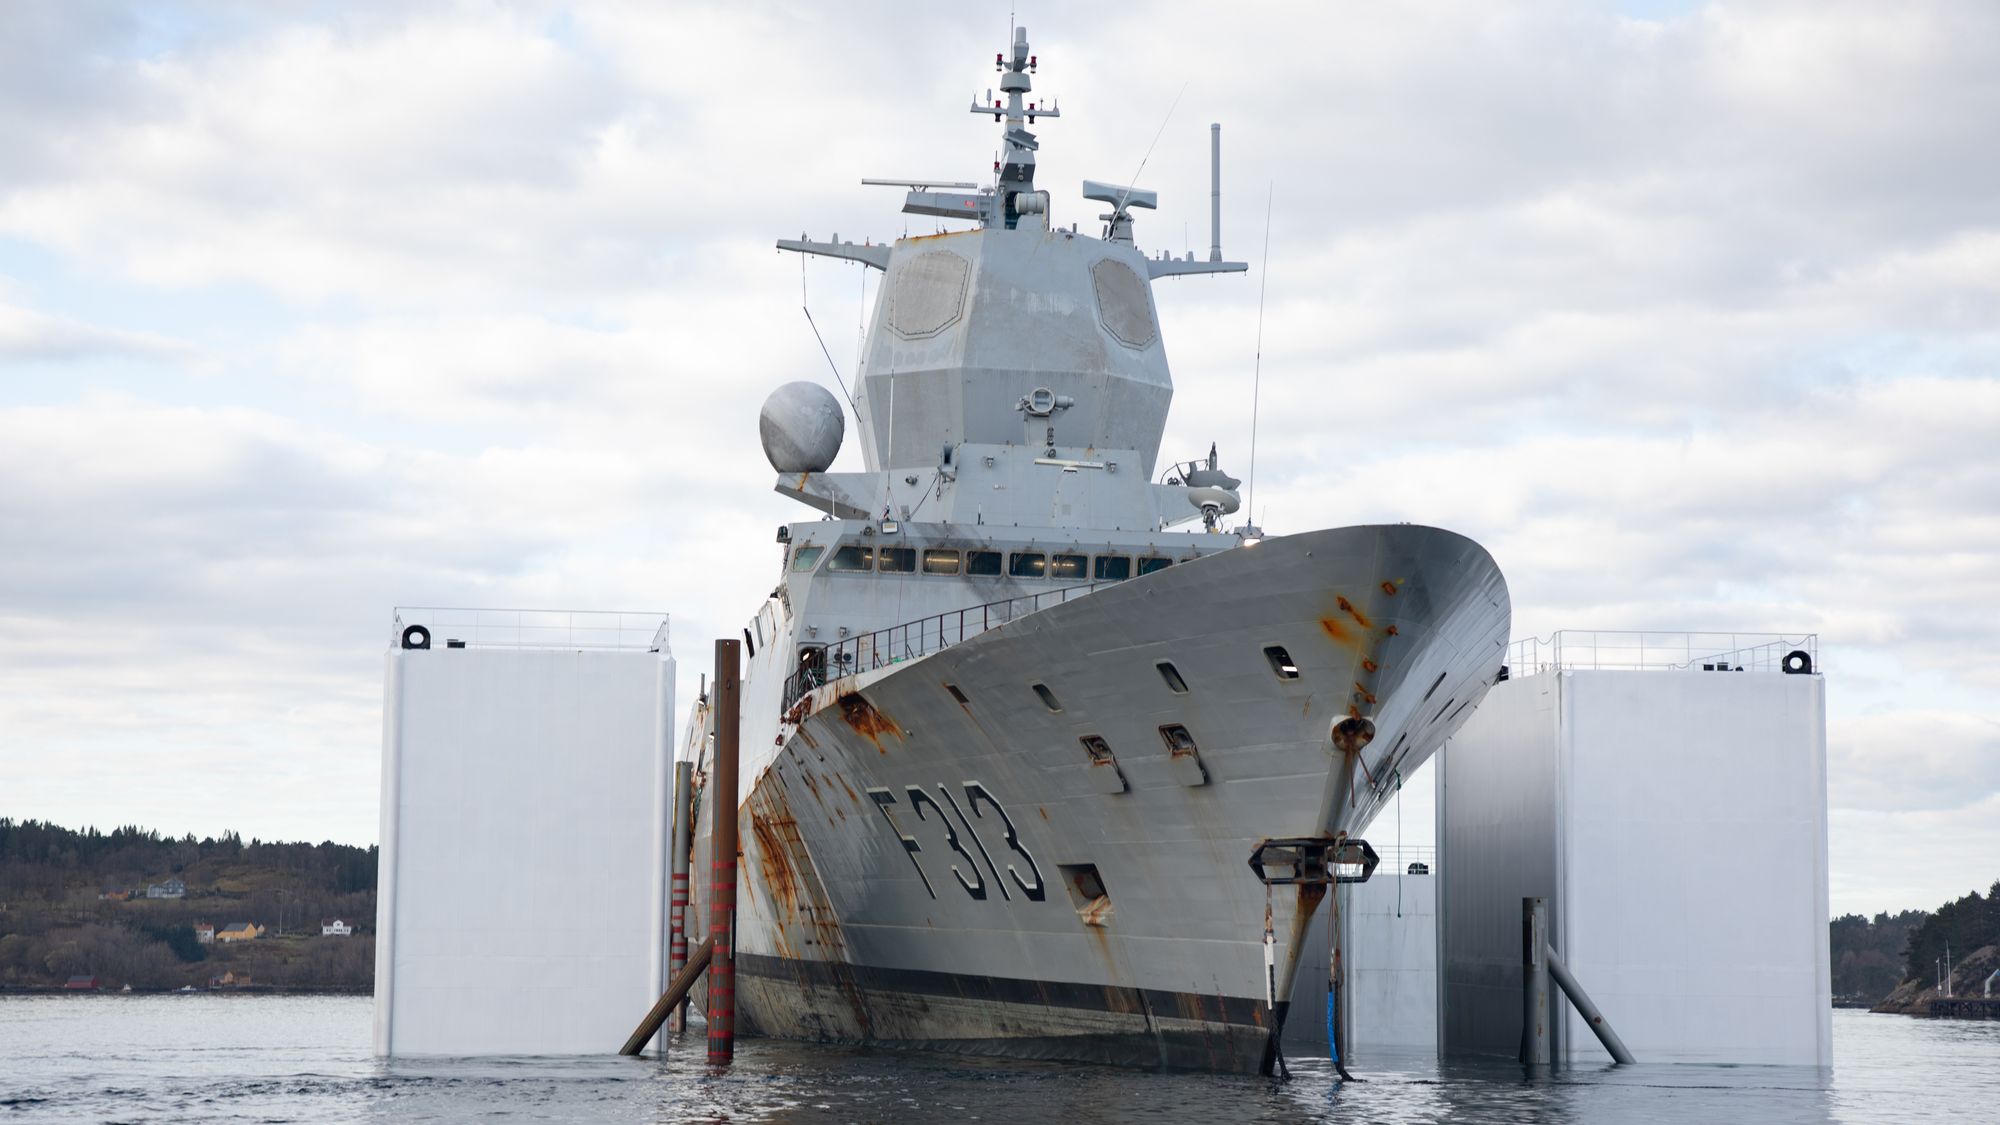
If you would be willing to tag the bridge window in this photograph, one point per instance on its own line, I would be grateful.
(1027, 564)
(1068, 566)
(804, 558)
(940, 562)
(896, 560)
(982, 563)
(1148, 566)
(852, 557)
(1112, 568)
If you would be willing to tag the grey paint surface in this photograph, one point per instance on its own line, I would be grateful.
(1505, 828)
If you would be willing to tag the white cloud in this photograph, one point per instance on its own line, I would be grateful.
(27, 336)
(1913, 760)
(1692, 322)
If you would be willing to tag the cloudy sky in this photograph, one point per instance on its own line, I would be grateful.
(308, 311)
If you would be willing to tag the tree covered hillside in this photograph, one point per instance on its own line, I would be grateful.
(1968, 925)
(1868, 953)
(74, 903)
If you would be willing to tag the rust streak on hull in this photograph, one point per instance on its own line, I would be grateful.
(867, 721)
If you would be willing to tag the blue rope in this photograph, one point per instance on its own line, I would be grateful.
(1332, 1046)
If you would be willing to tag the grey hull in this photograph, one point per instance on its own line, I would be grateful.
(922, 857)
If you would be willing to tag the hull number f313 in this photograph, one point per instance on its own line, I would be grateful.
(937, 818)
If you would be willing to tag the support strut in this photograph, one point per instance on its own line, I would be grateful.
(670, 999)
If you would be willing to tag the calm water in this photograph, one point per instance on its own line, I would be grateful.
(249, 1058)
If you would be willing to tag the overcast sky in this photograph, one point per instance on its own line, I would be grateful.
(1688, 312)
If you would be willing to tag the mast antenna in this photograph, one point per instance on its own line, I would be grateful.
(1257, 366)
(1125, 195)
(805, 305)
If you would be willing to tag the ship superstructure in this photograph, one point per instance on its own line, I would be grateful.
(1011, 739)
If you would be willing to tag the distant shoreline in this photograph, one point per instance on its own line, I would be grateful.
(246, 990)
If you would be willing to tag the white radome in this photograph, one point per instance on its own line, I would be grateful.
(801, 426)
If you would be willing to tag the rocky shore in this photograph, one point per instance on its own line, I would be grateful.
(1968, 976)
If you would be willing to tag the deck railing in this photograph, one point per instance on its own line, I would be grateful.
(1595, 649)
(1397, 858)
(864, 653)
(535, 628)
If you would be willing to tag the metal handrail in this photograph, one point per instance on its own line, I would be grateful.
(1397, 858)
(1657, 650)
(912, 639)
(536, 628)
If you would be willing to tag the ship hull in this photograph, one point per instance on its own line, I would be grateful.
(1034, 843)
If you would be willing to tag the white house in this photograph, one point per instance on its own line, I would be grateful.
(334, 927)
(172, 888)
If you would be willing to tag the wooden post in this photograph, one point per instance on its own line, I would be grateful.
(677, 954)
(722, 856)
(669, 1000)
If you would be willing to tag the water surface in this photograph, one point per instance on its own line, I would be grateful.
(306, 1059)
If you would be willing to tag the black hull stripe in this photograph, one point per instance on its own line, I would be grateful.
(1149, 1003)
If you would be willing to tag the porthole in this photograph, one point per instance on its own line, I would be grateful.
(1172, 675)
(1281, 662)
(1048, 697)
(1086, 891)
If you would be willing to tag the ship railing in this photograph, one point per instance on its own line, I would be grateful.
(534, 628)
(820, 664)
(1637, 650)
(1398, 859)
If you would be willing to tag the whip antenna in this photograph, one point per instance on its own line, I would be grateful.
(1257, 366)
(805, 305)
(1126, 195)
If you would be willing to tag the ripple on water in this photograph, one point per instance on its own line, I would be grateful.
(306, 1059)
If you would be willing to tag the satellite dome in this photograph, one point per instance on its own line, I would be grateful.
(801, 426)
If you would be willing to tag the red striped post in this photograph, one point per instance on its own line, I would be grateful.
(677, 949)
(722, 853)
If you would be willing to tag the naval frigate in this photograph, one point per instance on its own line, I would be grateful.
(1027, 770)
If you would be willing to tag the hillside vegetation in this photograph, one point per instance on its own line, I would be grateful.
(72, 903)
(1867, 954)
(1971, 928)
